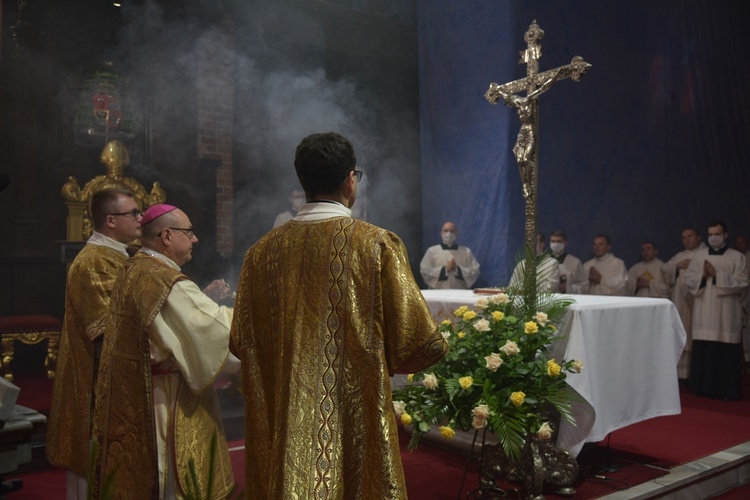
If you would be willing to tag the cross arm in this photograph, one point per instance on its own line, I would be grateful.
(575, 70)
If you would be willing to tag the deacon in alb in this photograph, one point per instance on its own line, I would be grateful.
(606, 273)
(646, 278)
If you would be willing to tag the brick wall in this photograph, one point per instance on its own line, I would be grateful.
(215, 85)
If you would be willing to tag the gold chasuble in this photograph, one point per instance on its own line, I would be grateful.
(88, 290)
(124, 426)
(326, 310)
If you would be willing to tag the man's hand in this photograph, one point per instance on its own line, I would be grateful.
(595, 277)
(218, 290)
(708, 270)
(450, 266)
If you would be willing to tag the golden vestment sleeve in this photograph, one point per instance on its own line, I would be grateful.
(325, 310)
(87, 297)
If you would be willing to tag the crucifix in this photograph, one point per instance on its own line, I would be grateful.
(525, 149)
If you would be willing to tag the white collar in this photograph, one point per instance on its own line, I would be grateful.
(318, 210)
(103, 240)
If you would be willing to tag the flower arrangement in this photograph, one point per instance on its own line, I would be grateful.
(497, 376)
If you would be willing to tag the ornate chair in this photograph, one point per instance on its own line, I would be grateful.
(115, 158)
(31, 329)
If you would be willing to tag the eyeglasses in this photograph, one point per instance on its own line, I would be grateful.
(187, 230)
(359, 174)
(133, 214)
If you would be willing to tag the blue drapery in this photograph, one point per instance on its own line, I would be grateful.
(653, 139)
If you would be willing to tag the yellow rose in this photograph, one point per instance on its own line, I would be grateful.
(447, 432)
(517, 398)
(553, 369)
(465, 382)
(446, 322)
(469, 315)
(461, 334)
(406, 419)
(410, 378)
(531, 327)
(545, 431)
(460, 311)
(498, 315)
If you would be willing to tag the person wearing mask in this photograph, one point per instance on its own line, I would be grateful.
(449, 265)
(717, 277)
(571, 268)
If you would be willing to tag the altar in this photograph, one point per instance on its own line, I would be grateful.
(629, 346)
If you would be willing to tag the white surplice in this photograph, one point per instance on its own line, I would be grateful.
(653, 271)
(433, 270)
(614, 276)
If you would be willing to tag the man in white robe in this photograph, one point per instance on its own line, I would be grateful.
(647, 278)
(717, 276)
(547, 269)
(449, 265)
(674, 270)
(606, 274)
(571, 268)
(296, 200)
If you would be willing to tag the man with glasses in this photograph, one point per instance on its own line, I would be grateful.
(327, 308)
(117, 223)
(166, 341)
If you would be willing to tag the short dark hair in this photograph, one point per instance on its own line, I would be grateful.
(104, 203)
(606, 238)
(719, 223)
(323, 161)
(559, 234)
(691, 228)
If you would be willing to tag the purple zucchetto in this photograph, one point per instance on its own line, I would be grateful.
(156, 211)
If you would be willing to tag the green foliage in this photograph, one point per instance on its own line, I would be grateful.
(500, 351)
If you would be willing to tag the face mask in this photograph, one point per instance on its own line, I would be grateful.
(716, 241)
(449, 238)
(557, 247)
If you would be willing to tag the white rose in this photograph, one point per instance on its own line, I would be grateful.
(494, 361)
(481, 412)
(545, 431)
(446, 335)
(399, 407)
(500, 298)
(430, 381)
(541, 318)
(479, 423)
(577, 365)
(482, 304)
(482, 325)
(510, 348)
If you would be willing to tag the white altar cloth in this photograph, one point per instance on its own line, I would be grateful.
(629, 346)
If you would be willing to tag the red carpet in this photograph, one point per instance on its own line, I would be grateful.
(705, 427)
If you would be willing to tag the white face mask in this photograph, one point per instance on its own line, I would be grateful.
(449, 237)
(557, 247)
(716, 241)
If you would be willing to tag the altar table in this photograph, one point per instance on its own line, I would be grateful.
(629, 346)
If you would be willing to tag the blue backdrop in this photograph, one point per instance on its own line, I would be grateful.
(654, 138)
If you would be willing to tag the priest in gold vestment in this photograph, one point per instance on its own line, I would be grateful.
(165, 343)
(116, 220)
(327, 309)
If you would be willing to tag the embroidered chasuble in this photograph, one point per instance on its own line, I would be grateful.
(89, 285)
(326, 311)
(124, 417)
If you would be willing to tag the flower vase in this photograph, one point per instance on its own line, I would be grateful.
(540, 462)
